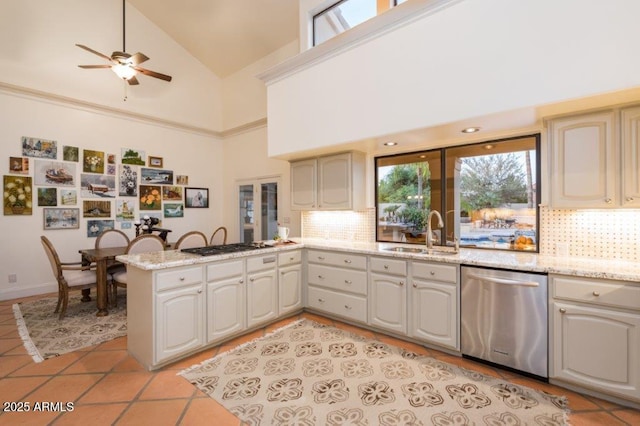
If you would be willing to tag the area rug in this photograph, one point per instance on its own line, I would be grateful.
(313, 374)
(45, 336)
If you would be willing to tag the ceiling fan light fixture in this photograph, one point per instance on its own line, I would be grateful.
(124, 71)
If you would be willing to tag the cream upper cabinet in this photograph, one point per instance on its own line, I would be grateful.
(583, 161)
(630, 135)
(334, 182)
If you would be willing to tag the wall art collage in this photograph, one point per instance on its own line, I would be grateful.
(76, 184)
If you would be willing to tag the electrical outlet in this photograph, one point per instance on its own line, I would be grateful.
(13, 278)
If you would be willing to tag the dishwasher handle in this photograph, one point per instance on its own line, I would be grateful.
(504, 281)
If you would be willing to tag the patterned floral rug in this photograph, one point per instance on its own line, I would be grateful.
(45, 336)
(313, 374)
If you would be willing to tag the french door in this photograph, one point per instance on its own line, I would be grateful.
(258, 201)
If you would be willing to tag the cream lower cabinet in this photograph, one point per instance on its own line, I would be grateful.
(595, 335)
(388, 294)
(289, 282)
(262, 289)
(179, 306)
(337, 284)
(435, 304)
(226, 299)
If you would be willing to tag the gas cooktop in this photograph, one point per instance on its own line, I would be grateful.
(225, 248)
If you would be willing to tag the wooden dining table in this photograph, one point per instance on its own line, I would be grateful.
(102, 258)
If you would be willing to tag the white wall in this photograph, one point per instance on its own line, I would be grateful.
(37, 41)
(467, 60)
(44, 94)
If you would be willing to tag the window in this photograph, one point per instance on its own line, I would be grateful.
(486, 193)
(344, 15)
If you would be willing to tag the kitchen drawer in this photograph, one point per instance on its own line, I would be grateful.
(178, 278)
(601, 292)
(221, 270)
(289, 257)
(338, 278)
(258, 263)
(345, 260)
(389, 266)
(435, 271)
(345, 305)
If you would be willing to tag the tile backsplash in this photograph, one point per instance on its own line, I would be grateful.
(602, 234)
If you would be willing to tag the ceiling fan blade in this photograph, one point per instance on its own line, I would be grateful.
(137, 59)
(88, 49)
(94, 66)
(133, 81)
(153, 73)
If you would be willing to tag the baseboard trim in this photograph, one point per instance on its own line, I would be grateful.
(19, 292)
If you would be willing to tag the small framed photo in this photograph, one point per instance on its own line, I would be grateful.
(197, 197)
(61, 218)
(19, 165)
(182, 180)
(47, 197)
(155, 161)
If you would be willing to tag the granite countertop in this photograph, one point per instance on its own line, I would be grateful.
(521, 261)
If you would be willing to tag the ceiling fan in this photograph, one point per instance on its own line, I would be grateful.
(124, 64)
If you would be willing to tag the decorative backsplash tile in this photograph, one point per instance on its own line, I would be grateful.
(602, 234)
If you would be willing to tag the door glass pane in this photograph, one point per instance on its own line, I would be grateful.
(269, 214)
(246, 213)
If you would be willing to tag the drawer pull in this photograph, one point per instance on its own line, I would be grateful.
(347, 307)
(291, 258)
(321, 277)
(432, 273)
(181, 278)
(608, 200)
(199, 291)
(347, 261)
(563, 310)
(596, 293)
(348, 282)
(241, 281)
(320, 257)
(415, 285)
(629, 199)
(386, 267)
(321, 300)
(266, 260)
(251, 279)
(401, 283)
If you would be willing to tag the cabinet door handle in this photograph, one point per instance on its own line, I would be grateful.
(199, 291)
(282, 273)
(321, 300)
(608, 200)
(415, 285)
(348, 281)
(251, 279)
(629, 198)
(241, 281)
(596, 293)
(563, 310)
(401, 283)
(347, 261)
(386, 267)
(347, 307)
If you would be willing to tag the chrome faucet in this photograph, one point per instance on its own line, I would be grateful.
(429, 238)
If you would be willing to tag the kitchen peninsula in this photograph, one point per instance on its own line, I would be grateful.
(180, 303)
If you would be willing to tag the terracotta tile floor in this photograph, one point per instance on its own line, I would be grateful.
(107, 386)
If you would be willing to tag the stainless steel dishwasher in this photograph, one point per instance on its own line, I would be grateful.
(504, 318)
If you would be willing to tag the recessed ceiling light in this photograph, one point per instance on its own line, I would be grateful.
(390, 143)
(471, 130)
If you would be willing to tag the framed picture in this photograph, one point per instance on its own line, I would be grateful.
(54, 173)
(172, 193)
(70, 153)
(196, 197)
(19, 165)
(156, 176)
(92, 161)
(155, 161)
(173, 210)
(96, 227)
(47, 197)
(97, 186)
(125, 210)
(95, 208)
(17, 197)
(61, 218)
(68, 197)
(128, 180)
(133, 157)
(182, 180)
(150, 197)
(40, 148)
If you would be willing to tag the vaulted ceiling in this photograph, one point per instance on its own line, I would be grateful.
(225, 35)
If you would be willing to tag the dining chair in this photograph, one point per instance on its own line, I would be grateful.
(219, 236)
(145, 243)
(190, 240)
(70, 276)
(112, 238)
